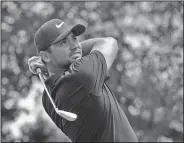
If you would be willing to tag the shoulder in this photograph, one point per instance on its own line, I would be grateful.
(62, 88)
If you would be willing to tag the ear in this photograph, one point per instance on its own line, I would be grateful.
(45, 56)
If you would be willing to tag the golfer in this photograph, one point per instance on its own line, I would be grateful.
(75, 74)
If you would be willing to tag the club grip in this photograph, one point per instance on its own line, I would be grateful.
(38, 70)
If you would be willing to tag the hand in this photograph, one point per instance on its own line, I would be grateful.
(36, 62)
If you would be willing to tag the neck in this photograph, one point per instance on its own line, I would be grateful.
(55, 70)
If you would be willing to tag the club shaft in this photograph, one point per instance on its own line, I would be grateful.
(42, 80)
(67, 115)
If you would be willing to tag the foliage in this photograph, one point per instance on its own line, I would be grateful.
(147, 76)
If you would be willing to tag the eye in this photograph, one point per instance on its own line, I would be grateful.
(63, 42)
(74, 37)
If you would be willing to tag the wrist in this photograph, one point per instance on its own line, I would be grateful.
(45, 76)
(89, 44)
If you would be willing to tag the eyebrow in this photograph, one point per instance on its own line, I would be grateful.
(62, 40)
(66, 38)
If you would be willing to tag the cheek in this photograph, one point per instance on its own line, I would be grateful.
(61, 55)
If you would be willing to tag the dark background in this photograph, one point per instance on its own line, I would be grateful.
(146, 77)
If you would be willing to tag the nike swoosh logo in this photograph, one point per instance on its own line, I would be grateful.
(58, 26)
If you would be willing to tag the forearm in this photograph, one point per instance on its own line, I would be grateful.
(88, 45)
(107, 46)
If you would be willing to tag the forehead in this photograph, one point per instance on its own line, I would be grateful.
(70, 34)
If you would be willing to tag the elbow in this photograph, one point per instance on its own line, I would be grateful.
(112, 41)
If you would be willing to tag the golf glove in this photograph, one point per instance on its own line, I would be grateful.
(36, 62)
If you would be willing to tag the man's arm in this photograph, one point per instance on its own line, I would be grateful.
(36, 62)
(107, 46)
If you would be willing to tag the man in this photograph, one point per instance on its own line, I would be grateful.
(77, 75)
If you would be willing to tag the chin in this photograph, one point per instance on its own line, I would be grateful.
(75, 59)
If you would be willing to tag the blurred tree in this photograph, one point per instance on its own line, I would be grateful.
(147, 76)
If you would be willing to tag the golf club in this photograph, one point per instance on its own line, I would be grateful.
(67, 115)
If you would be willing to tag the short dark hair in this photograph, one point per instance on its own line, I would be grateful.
(48, 50)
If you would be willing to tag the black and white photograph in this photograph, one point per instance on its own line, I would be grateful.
(91, 71)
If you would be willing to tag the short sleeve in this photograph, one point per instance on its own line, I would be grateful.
(92, 70)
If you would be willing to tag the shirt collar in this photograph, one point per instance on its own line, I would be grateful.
(52, 79)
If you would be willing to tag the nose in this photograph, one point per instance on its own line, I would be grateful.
(73, 44)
